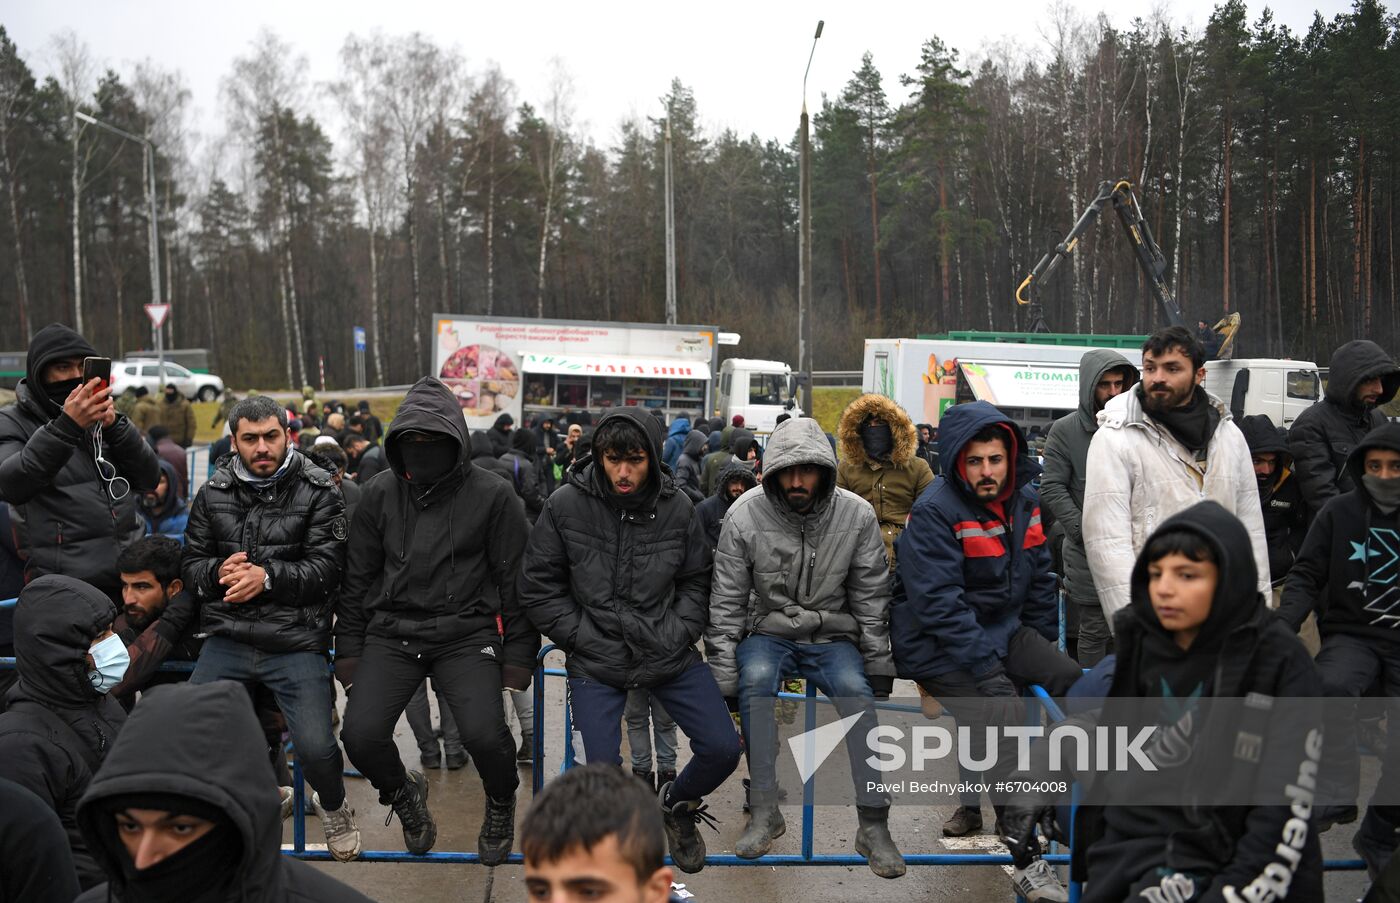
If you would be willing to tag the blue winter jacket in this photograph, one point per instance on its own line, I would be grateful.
(961, 589)
(675, 441)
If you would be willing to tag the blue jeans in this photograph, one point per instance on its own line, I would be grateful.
(838, 670)
(645, 715)
(692, 698)
(301, 683)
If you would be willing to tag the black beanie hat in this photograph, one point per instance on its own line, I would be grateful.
(54, 342)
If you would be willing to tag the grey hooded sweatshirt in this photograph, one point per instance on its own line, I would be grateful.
(821, 577)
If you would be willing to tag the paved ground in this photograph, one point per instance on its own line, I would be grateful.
(456, 802)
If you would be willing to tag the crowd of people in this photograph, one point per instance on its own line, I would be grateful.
(689, 572)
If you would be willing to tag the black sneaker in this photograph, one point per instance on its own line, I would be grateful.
(497, 831)
(410, 804)
(456, 759)
(682, 818)
(431, 758)
(525, 755)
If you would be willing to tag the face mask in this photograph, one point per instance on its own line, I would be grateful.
(877, 439)
(1385, 493)
(428, 462)
(109, 662)
(58, 392)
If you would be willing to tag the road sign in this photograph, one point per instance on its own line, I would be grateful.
(359, 338)
(158, 313)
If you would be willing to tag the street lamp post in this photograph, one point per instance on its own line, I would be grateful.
(804, 244)
(149, 150)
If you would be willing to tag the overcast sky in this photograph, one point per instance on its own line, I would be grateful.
(744, 61)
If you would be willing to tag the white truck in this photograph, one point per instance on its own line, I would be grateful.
(759, 390)
(1035, 384)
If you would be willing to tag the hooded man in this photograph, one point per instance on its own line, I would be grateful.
(1161, 448)
(524, 473)
(186, 809)
(928, 445)
(430, 591)
(801, 589)
(373, 427)
(483, 457)
(688, 466)
(177, 415)
(1345, 573)
(164, 510)
(975, 615)
(1362, 377)
(167, 450)
(734, 481)
(71, 465)
(1280, 495)
(715, 461)
(499, 434)
(264, 554)
(675, 441)
(1103, 375)
(60, 722)
(879, 464)
(617, 574)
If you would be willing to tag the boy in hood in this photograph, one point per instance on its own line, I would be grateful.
(975, 615)
(1103, 375)
(801, 588)
(617, 574)
(1227, 811)
(186, 809)
(1345, 573)
(430, 591)
(60, 722)
(879, 463)
(71, 465)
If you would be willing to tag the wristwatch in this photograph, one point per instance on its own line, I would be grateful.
(267, 581)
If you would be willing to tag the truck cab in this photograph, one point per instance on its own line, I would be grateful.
(758, 390)
(1283, 389)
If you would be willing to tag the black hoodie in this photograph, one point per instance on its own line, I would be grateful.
(1242, 650)
(58, 729)
(711, 511)
(1324, 435)
(435, 564)
(1285, 518)
(70, 522)
(484, 456)
(1347, 566)
(203, 742)
(624, 591)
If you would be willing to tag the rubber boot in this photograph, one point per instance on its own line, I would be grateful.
(765, 825)
(873, 841)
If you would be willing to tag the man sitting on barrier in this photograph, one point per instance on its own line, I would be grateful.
(594, 833)
(617, 574)
(157, 621)
(975, 616)
(801, 590)
(430, 591)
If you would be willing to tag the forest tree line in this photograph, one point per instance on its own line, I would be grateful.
(1265, 161)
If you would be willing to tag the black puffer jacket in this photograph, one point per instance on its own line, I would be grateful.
(295, 528)
(623, 591)
(67, 518)
(1323, 436)
(202, 742)
(711, 512)
(435, 563)
(58, 729)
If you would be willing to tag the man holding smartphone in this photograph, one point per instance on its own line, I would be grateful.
(72, 467)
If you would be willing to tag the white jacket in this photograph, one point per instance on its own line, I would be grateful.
(1138, 475)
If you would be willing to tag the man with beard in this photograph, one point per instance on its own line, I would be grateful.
(734, 481)
(366, 460)
(1280, 496)
(1103, 375)
(801, 589)
(1159, 449)
(156, 621)
(164, 508)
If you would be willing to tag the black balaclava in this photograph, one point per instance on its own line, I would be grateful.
(199, 872)
(54, 342)
(172, 394)
(430, 461)
(878, 440)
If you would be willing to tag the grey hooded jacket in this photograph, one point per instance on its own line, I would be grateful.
(1066, 463)
(815, 578)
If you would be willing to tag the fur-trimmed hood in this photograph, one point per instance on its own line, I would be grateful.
(906, 437)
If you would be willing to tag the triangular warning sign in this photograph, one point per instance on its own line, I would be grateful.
(810, 748)
(158, 313)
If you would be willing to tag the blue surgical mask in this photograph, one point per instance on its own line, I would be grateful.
(109, 663)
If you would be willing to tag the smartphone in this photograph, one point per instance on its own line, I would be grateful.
(97, 368)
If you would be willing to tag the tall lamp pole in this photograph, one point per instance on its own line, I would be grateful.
(670, 231)
(804, 244)
(149, 149)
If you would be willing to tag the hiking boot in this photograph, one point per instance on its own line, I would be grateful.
(1375, 842)
(873, 841)
(456, 759)
(1325, 817)
(1038, 883)
(342, 836)
(665, 776)
(765, 825)
(410, 804)
(646, 777)
(525, 755)
(497, 831)
(289, 801)
(682, 818)
(965, 820)
(431, 757)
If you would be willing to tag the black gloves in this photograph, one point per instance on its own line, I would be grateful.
(880, 685)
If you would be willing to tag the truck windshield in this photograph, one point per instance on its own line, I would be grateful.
(1304, 384)
(768, 388)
